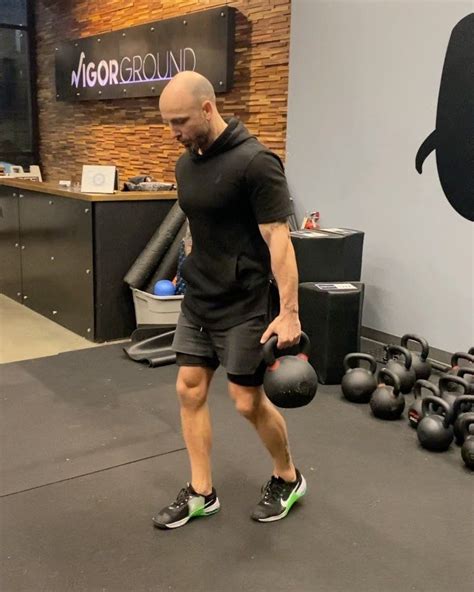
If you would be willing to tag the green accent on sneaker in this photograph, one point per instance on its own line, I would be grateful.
(294, 497)
(297, 493)
(198, 508)
(188, 505)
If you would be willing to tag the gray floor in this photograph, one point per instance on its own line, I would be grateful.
(25, 334)
(91, 447)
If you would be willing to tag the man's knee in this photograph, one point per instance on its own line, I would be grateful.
(192, 386)
(247, 399)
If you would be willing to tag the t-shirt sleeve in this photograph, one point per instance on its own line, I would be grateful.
(268, 189)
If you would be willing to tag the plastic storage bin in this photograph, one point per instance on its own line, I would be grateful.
(156, 310)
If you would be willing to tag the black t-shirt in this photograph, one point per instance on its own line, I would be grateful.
(225, 193)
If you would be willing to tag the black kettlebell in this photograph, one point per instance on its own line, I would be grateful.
(289, 381)
(387, 402)
(404, 371)
(462, 405)
(471, 351)
(452, 387)
(455, 367)
(414, 411)
(358, 383)
(419, 362)
(467, 450)
(434, 431)
(467, 373)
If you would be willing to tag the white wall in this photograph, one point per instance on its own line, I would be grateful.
(363, 92)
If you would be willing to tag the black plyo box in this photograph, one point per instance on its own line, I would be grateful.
(331, 316)
(328, 255)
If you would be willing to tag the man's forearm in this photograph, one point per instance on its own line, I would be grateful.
(287, 323)
(283, 262)
(286, 275)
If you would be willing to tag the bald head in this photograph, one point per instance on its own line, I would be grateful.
(188, 106)
(189, 88)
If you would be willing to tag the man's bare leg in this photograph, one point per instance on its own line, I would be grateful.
(254, 405)
(192, 387)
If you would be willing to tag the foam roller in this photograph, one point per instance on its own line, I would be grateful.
(139, 273)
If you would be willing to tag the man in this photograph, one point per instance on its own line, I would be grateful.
(234, 193)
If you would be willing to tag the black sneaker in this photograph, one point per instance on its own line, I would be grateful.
(188, 504)
(278, 498)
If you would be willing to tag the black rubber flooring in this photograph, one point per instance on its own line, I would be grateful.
(82, 411)
(91, 448)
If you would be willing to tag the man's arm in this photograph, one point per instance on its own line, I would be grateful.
(287, 324)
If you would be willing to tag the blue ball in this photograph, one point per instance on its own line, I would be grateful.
(164, 288)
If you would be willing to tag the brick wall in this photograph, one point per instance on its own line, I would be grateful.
(129, 132)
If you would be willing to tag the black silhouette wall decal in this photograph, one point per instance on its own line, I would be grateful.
(453, 138)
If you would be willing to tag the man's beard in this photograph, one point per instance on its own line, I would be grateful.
(201, 141)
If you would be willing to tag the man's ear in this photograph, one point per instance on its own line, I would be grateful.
(207, 108)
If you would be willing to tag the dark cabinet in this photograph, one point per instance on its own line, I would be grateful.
(66, 258)
(10, 248)
(57, 259)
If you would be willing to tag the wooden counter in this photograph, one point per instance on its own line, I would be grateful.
(64, 253)
(56, 189)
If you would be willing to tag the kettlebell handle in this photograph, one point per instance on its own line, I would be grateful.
(398, 349)
(458, 401)
(425, 405)
(386, 373)
(269, 347)
(444, 380)
(359, 356)
(465, 370)
(425, 348)
(461, 356)
(464, 423)
(421, 384)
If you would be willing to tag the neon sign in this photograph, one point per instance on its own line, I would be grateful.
(130, 70)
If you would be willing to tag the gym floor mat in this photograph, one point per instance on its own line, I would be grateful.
(380, 513)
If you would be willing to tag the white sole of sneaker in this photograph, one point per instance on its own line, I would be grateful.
(294, 496)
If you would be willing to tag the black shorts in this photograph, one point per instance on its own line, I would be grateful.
(238, 349)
